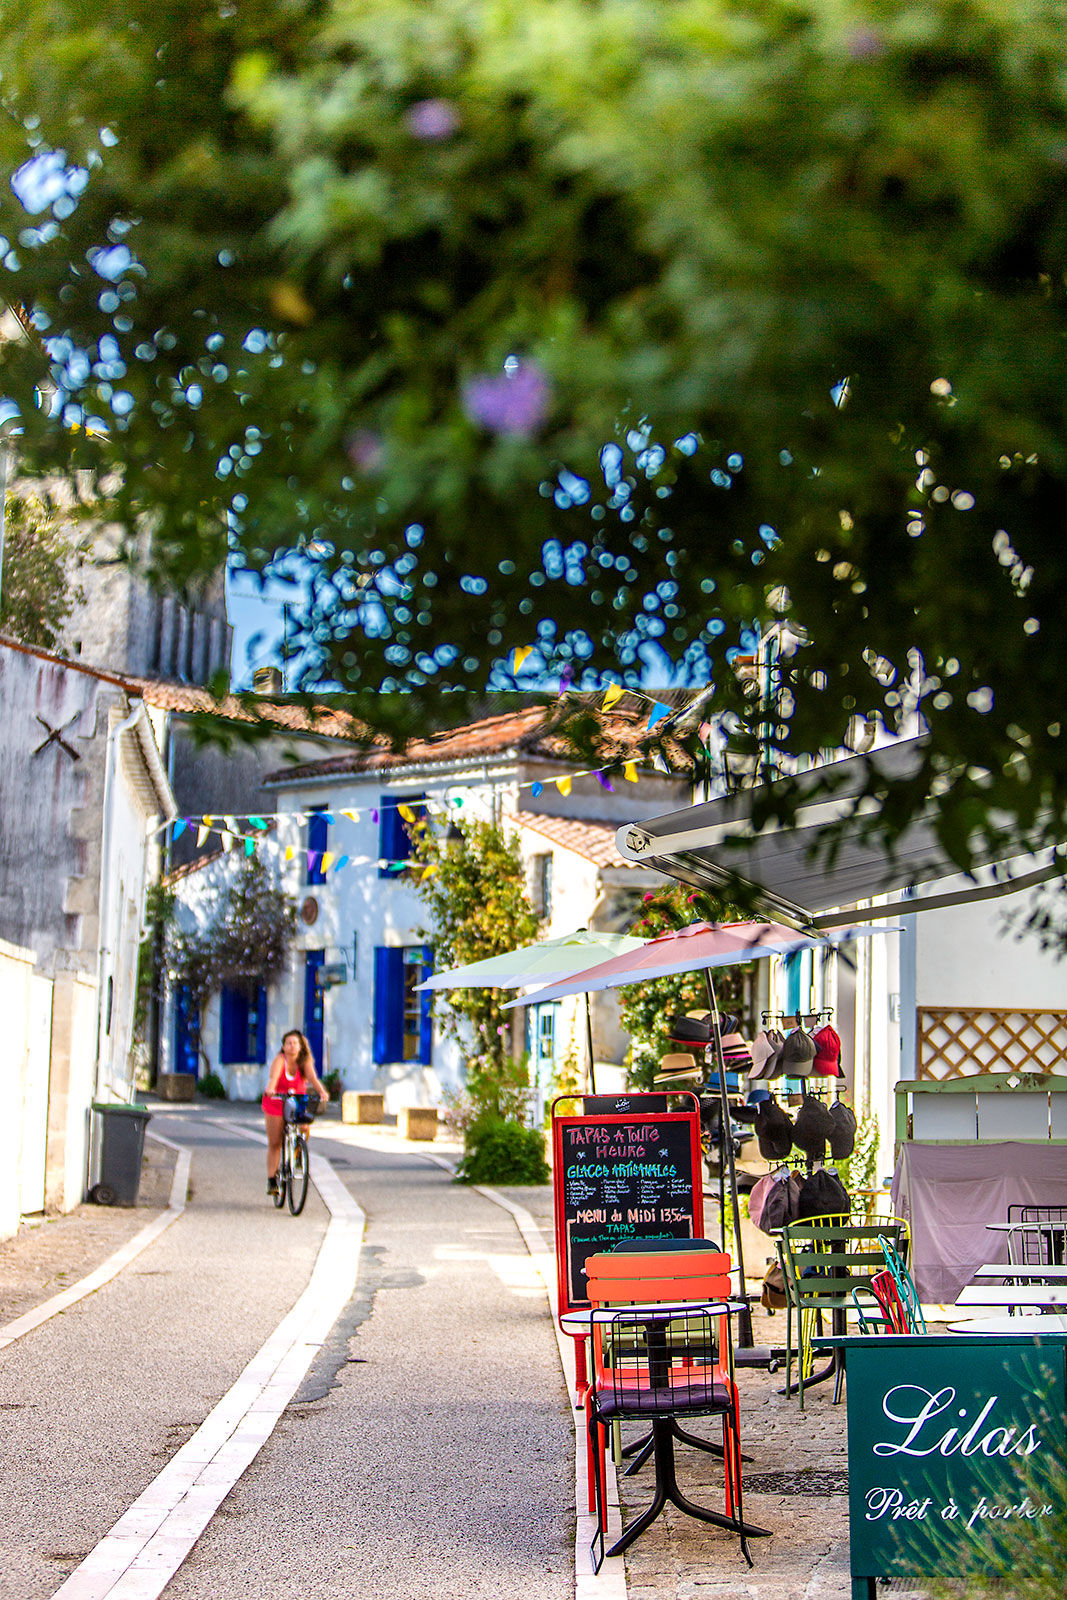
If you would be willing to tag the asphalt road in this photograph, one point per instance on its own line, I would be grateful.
(429, 1451)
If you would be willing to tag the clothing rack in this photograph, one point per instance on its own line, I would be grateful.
(801, 1018)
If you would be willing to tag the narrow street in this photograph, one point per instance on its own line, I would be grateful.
(422, 1453)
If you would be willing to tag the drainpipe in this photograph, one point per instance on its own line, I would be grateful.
(3, 510)
(114, 734)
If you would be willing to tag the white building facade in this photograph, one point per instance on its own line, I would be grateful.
(338, 844)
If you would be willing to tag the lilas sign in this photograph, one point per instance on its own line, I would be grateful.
(952, 1442)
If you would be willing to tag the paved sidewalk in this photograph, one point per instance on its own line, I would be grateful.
(49, 1254)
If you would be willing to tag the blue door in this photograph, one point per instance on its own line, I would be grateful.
(314, 1008)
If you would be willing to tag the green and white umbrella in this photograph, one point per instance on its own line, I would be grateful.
(548, 961)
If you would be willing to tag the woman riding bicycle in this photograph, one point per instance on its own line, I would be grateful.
(291, 1072)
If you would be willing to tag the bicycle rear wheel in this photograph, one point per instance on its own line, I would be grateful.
(298, 1175)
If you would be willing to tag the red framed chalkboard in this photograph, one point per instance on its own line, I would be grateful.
(634, 1173)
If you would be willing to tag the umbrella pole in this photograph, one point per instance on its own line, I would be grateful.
(726, 1156)
(589, 1042)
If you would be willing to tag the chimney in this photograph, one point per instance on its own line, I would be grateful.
(268, 680)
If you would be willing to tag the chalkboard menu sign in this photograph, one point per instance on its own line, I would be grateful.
(617, 1177)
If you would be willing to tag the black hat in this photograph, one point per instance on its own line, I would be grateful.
(814, 1125)
(774, 1131)
(843, 1138)
(690, 1030)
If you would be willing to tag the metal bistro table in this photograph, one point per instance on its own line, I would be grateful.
(656, 1317)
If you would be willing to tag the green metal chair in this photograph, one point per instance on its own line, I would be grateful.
(823, 1260)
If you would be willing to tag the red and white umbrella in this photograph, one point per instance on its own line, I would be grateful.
(689, 949)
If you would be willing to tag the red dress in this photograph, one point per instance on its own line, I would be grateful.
(289, 1082)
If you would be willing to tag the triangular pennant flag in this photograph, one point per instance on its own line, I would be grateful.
(605, 782)
(257, 822)
(342, 863)
(231, 823)
(563, 785)
(629, 772)
(250, 847)
(227, 840)
(659, 763)
(613, 693)
(290, 852)
(374, 816)
(179, 828)
(201, 835)
(429, 869)
(313, 856)
(566, 678)
(353, 816)
(327, 816)
(207, 821)
(327, 860)
(519, 655)
(659, 710)
(407, 813)
(536, 789)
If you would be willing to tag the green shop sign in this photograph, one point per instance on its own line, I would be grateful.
(953, 1443)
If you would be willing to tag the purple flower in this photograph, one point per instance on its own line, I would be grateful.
(864, 44)
(432, 119)
(516, 402)
(364, 450)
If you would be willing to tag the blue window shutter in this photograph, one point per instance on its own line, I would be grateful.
(388, 1004)
(261, 1026)
(394, 840)
(318, 841)
(426, 1009)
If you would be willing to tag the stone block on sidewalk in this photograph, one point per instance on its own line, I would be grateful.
(176, 1085)
(417, 1122)
(359, 1106)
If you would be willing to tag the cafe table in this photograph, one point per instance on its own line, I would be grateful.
(1038, 1295)
(1023, 1273)
(1033, 1323)
(655, 1317)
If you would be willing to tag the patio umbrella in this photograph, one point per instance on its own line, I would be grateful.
(537, 964)
(704, 945)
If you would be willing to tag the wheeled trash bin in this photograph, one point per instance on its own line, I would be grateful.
(118, 1145)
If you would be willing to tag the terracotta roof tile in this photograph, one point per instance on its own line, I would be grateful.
(593, 840)
(527, 731)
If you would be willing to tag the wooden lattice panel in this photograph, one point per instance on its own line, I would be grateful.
(954, 1042)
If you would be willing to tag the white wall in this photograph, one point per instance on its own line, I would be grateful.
(969, 956)
(16, 976)
(123, 884)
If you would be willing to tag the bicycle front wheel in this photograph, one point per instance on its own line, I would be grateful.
(298, 1176)
(282, 1174)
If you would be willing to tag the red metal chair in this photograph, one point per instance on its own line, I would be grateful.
(657, 1370)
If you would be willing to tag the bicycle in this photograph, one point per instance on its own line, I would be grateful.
(297, 1111)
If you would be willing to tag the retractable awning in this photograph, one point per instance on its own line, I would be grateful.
(712, 846)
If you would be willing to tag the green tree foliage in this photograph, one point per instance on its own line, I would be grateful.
(647, 1007)
(38, 590)
(243, 939)
(473, 885)
(382, 279)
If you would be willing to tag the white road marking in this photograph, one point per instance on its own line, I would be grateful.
(149, 1542)
(610, 1582)
(114, 1264)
